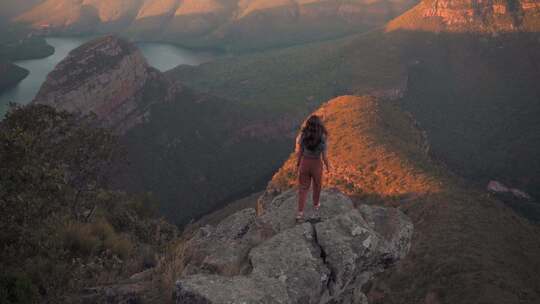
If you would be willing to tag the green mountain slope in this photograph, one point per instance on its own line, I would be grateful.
(474, 94)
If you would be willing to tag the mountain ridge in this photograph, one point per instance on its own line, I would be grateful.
(109, 77)
(462, 233)
(229, 24)
(470, 16)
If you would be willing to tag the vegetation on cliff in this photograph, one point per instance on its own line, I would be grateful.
(62, 228)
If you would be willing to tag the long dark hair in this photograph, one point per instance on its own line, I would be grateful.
(312, 132)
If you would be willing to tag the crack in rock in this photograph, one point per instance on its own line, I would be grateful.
(316, 262)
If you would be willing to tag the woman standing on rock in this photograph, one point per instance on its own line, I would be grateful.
(310, 148)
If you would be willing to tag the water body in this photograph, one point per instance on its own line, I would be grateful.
(164, 56)
(159, 55)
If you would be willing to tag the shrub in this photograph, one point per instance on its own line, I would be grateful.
(120, 246)
(79, 239)
(17, 289)
(102, 229)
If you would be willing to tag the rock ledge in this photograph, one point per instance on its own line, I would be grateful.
(270, 259)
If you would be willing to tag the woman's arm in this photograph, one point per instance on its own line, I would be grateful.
(326, 162)
(299, 151)
(298, 158)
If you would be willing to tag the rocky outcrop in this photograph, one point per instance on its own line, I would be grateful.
(109, 77)
(498, 187)
(470, 16)
(270, 259)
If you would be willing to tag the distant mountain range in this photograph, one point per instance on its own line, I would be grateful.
(230, 24)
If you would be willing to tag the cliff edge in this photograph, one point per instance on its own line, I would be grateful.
(269, 259)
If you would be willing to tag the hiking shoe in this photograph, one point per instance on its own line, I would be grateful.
(317, 211)
(299, 218)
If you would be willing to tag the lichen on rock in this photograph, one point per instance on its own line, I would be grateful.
(324, 260)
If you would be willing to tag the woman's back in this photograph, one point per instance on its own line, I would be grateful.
(314, 148)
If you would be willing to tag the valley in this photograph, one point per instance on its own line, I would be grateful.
(160, 152)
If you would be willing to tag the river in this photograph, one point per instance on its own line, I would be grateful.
(159, 55)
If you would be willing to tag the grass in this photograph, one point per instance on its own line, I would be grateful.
(375, 150)
(96, 238)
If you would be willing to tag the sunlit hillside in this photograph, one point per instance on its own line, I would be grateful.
(376, 151)
(470, 16)
(461, 235)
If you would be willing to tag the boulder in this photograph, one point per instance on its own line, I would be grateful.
(271, 259)
(498, 187)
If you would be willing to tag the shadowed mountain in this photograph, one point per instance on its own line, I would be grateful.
(467, 246)
(228, 24)
(194, 151)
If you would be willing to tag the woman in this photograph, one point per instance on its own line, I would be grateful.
(311, 146)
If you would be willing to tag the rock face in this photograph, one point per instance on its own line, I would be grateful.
(269, 259)
(471, 16)
(498, 187)
(109, 77)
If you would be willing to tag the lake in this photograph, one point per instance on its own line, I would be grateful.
(159, 55)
